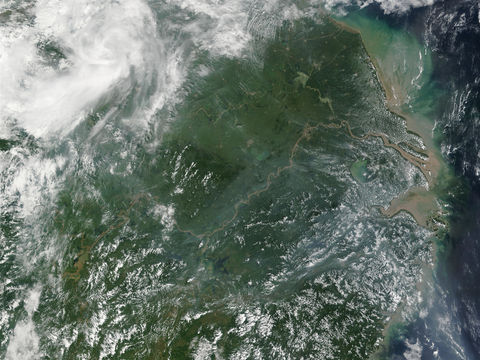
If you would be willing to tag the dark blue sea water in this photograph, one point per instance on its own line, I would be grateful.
(175, 200)
(451, 329)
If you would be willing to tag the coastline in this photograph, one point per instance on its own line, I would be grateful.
(420, 202)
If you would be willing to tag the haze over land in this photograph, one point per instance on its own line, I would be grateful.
(230, 180)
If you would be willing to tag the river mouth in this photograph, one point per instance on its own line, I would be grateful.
(198, 180)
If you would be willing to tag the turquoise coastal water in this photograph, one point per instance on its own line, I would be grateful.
(238, 218)
(407, 65)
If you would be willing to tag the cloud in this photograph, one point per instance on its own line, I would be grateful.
(24, 343)
(389, 6)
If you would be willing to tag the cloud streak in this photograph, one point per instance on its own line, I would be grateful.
(389, 6)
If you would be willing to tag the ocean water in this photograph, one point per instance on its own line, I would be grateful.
(231, 180)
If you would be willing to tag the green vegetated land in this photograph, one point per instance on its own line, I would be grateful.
(250, 227)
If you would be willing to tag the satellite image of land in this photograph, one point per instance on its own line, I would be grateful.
(238, 179)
